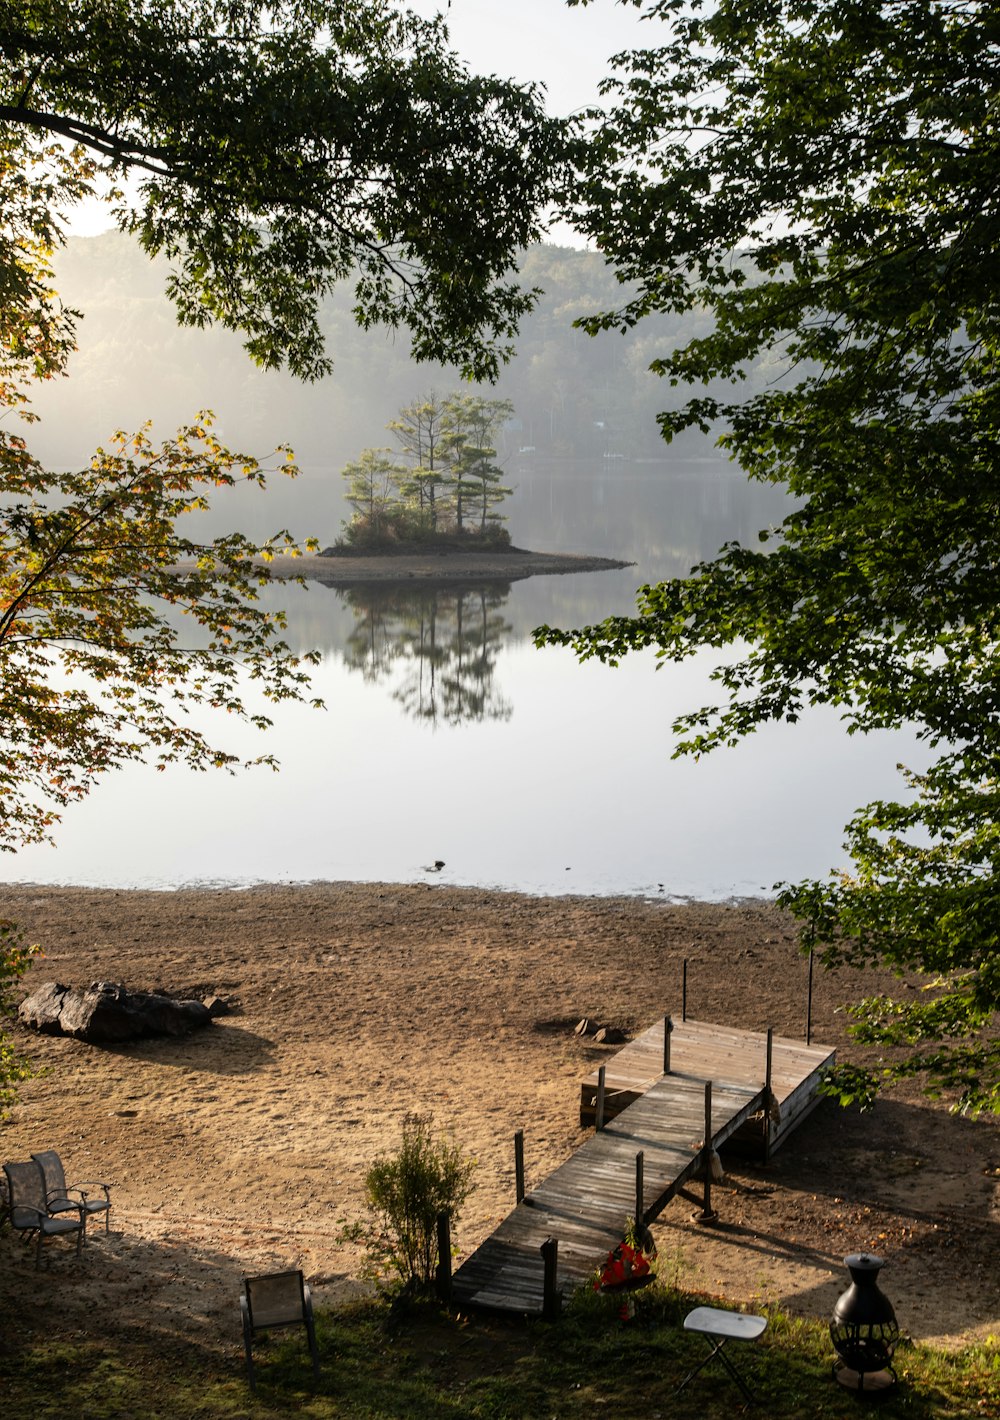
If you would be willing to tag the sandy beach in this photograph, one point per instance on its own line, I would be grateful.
(243, 1147)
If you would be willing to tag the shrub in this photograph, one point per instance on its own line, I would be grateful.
(15, 957)
(406, 1192)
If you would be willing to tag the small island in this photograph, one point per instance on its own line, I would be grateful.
(406, 563)
(430, 512)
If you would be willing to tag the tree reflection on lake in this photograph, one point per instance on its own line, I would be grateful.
(576, 792)
(438, 645)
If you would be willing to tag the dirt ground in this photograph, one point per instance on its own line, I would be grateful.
(243, 1147)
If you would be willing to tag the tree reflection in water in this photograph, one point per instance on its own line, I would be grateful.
(439, 643)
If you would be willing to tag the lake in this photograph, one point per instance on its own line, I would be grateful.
(448, 738)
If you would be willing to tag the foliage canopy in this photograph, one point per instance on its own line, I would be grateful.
(821, 177)
(281, 148)
(270, 151)
(274, 149)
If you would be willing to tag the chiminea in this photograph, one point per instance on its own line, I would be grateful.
(864, 1330)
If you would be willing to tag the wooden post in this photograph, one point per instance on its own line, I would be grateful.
(442, 1277)
(707, 1201)
(809, 1001)
(668, 1030)
(684, 991)
(519, 1165)
(550, 1290)
(639, 1191)
(599, 1115)
(768, 1094)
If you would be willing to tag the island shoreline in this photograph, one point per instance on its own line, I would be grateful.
(436, 568)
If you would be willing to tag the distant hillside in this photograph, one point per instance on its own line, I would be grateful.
(573, 394)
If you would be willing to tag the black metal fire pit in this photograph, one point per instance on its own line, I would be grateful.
(864, 1330)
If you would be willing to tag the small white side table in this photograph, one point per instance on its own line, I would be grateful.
(719, 1327)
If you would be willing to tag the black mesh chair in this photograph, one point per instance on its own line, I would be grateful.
(27, 1211)
(59, 1194)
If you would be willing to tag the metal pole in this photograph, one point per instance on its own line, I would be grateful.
(599, 1116)
(684, 991)
(809, 1001)
(519, 1165)
(639, 1191)
(668, 1029)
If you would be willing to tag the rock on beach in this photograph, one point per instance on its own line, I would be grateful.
(105, 1013)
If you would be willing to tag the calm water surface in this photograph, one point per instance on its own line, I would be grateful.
(447, 736)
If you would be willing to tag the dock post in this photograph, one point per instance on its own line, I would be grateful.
(442, 1276)
(550, 1290)
(668, 1029)
(639, 1191)
(684, 991)
(599, 1113)
(809, 1001)
(519, 1165)
(769, 1095)
(707, 1214)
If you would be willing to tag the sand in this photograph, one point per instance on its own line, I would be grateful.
(244, 1147)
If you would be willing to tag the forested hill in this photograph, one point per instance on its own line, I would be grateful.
(574, 395)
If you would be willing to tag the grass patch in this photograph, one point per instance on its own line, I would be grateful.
(423, 1364)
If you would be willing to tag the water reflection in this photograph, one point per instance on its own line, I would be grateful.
(437, 645)
(576, 792)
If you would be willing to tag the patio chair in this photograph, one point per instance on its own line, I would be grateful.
(58, 1193)
(27, 1212)
(276, 1299)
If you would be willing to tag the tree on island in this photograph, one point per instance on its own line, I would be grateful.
(822, 179)
(273, 151)
(373, 484)
(471, 426)
(419, 431)
(484, 492)
(451, 468)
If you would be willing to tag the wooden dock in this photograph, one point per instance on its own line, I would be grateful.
(710, 1052)
(651, 1148)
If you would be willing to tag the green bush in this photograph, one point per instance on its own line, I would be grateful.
(15, 958)
(406, 1192)
(391, 525)
(399, 528)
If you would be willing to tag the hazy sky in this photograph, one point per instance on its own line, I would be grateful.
(537, 40)
(543, 40)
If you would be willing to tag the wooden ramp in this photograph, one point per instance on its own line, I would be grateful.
(583, 1205)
